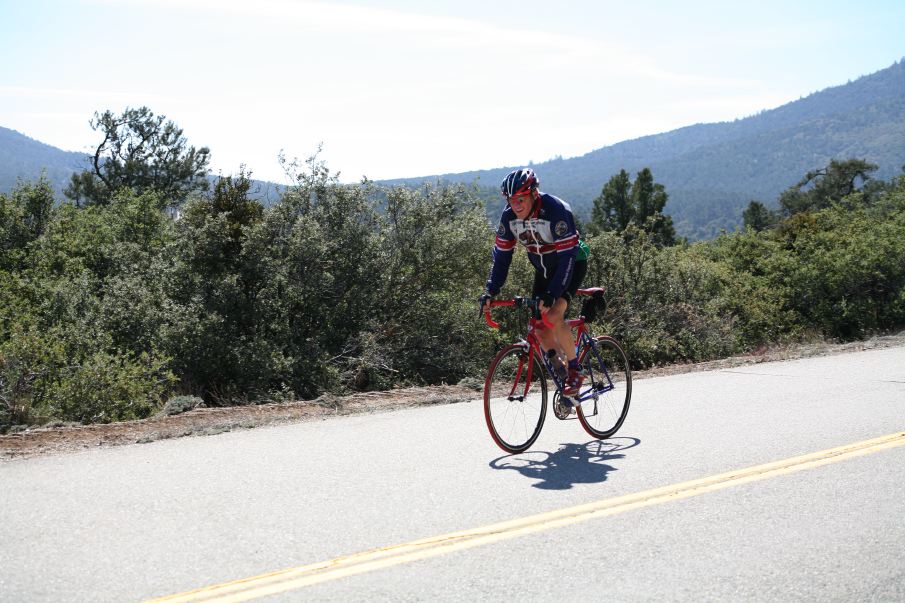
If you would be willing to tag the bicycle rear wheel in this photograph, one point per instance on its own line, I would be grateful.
(515, 398)
(607, 389)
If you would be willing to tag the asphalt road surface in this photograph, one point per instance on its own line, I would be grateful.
(667, 509)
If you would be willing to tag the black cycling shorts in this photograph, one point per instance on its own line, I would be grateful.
(578, 273)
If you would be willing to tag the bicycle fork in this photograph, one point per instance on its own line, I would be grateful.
(526, 355)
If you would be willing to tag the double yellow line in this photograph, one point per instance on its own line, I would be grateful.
(368, 561)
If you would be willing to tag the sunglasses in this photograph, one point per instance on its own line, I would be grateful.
(523, 198)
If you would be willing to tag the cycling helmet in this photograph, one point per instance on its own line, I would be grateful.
(518, 182)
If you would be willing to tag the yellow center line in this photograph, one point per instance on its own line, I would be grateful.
(358, 563)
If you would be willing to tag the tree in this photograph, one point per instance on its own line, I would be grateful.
(229, 201)
(141, 151)
(622, 204)
(23, 217)
(757, 217)
(613, 208)
(827, 186)
(649, 198)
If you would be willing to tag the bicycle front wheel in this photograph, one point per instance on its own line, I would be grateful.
(515, 398)
(607, 390)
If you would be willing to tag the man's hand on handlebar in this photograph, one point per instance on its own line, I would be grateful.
(544, 303)
(484, 303)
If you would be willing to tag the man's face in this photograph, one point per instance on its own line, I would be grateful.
(522, 204)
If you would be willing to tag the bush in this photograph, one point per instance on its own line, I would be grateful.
(44, 377)
(433, 250)
(110, 387)
(664, 304)
(108, 310)
(850, 271)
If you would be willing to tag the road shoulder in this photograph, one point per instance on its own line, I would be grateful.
(210, 421)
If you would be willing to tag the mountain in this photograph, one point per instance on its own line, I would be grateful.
(711, 171)
(25, 158)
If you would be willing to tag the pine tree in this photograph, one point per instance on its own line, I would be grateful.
(143, 152)
(622, 204)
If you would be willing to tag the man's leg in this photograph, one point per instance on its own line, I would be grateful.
(560, 339)
(563, 332)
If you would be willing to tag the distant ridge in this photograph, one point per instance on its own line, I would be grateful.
(25, 158)
(711, 171)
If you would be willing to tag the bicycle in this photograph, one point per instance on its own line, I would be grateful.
(515, 390)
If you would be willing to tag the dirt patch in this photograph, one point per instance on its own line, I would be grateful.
(208, 421)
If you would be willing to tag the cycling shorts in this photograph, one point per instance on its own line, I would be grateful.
(578, 273)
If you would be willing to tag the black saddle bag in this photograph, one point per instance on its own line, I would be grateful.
(594, 307)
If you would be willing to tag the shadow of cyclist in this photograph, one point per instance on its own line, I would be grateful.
(571, 464)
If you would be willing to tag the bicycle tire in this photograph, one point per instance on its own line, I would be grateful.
(607, 390)
(515, 413)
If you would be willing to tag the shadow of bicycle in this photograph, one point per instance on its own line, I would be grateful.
(571, 464)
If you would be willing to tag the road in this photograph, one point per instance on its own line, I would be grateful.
(137, 522)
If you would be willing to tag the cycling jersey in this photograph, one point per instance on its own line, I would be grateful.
(549, 236)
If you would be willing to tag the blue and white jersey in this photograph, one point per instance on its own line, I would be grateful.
(550, 237)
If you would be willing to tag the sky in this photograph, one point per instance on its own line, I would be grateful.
(405, 88)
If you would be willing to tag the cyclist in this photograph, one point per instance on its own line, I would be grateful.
(544, 224)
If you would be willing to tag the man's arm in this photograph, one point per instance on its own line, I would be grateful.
(502, 258)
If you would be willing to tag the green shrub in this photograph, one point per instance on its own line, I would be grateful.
(44, 377)
(108, 310)
(110, 387)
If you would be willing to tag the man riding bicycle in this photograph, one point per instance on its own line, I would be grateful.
(544, 224)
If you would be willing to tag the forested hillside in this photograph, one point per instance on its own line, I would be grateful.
(25, 158)
(712, 171)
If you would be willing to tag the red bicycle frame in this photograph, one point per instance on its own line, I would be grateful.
(533, 325)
